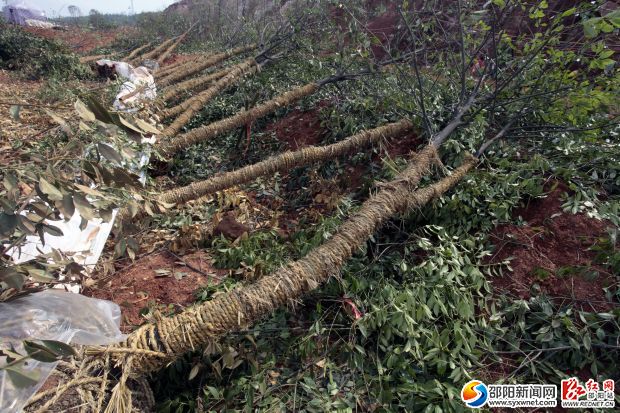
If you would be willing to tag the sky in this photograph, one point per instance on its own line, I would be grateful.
(53, 8)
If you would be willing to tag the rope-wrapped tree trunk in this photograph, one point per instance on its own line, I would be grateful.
(193, 84)
(190, 107)
(180, 65)
(154, 346)
(207, 132)
(167, 69)
(284, 162)
(135, 52)
(171, 48)
(158, 50)
(202, 65)
(90, 59)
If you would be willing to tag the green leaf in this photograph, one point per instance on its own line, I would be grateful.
(50, 190)
(68, 208)
(100, 112)
(605, 27)
(9, 181)
(109, 153)
(61, 122)
(83, 206)
(41, 276)
(146, 127)
(84, 112)
(52, 230)
(124, 123)
(60, 348)
(8, 223)
(14, 112)
(194, 372)
(22, 378)
(12, 278)
(39, 352)
(590, 27)
(614, 18)
(569, 12)
(587, 342)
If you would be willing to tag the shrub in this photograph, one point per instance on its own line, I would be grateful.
(36, 57)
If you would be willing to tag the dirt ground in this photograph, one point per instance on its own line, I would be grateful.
(79, 40)
(158, 281)
(17, 134)
(553, 251)
(298, 129)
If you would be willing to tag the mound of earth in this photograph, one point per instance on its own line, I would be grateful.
(158, 281)
(298, 129)
(553, 252)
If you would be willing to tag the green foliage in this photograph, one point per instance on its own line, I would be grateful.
(46, 351)
(36, 57)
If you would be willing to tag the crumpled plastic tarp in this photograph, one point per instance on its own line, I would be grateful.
(140, 84)
(19, 11)
(52, 315)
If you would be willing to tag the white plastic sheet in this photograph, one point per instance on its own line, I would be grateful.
(140, 84)
(52, 315)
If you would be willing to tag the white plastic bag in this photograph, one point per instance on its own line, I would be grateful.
(52, 315)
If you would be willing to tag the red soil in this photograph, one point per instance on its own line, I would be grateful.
(80, 41)
(383, 28)
(139, 286)
(182, 58)
(299, 129)
(552, 251)
(230, 228)
(401, 146)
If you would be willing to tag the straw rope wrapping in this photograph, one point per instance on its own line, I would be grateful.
(190, 107)
(164, 71)
(135, 52)
(234, 72)
(192, 84)
(202, 65)
(283, 162)
(173, 46)
(206, 132)
(158, 50)
(199, 325)
(90, 59)
(168, 69)
(153, 346)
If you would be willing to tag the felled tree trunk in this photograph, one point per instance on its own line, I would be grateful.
(158, 50)
(207, 132)
(202, 65)
(284, 162)
(171, 48)
(166, 70)
(192, 84)
(135, 52)
(90, 59)
(153, 346)
(190, 107)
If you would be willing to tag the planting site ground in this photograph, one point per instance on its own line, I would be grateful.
(316, 206)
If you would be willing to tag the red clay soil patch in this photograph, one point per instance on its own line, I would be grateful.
(144, 284)
(299, 129)
(80, 41)
(552, 250)
(181, 58)
(402, 145)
